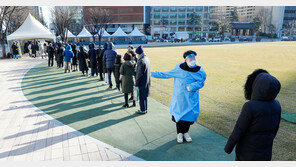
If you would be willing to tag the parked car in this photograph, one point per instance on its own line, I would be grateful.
(285, 38)
(226, 39)
(217, 39)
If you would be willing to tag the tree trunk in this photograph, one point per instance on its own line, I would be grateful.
(3, 48)
(94, 39)
(100, 39)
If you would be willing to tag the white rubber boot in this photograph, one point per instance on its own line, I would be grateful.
(187, 137)
(180, 138)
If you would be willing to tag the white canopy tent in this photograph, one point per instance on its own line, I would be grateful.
(119, 33)
(31, 29)
(84, 33)
(136, 33)
(70, 35)
(105, 33)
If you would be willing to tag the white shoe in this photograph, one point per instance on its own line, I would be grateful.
(187, 137)
(180, 138)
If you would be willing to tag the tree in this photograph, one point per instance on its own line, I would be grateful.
(61, 19)
(290, 29)
(257, 21)
(263, 19)
(96, 20)
(234, 15)
(195, 21)
(6, 17)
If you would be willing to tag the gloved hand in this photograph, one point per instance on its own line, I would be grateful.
(188, 88)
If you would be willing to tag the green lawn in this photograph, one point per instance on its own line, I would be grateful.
(227, 67)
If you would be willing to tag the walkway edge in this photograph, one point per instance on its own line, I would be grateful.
(129, 157)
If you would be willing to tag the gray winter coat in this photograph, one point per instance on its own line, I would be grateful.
(143, 80)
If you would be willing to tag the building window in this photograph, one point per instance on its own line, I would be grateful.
(198, 8)
(181, 15)
(173, 15)
(173, 9)
(165, 15)
(156, 22)
(181, 28)
(173, 22)
(156, 9)
(165, 22)
(182, 9)
(181, 22)
(157, 16)
(165, 9)
(190, 9)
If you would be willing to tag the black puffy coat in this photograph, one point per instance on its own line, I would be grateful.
(258, 122)
(92, 53)
(82, 57)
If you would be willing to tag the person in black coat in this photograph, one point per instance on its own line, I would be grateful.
(74, 59)
(259, 119)
(82, 58)
(14, 49)
(34, 49)
(100, 63)
(143, 80)
(92, 53)
(130, 50)
(60, 57)
(50, 51)
(117, 65)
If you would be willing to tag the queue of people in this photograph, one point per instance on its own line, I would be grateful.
(255, 128)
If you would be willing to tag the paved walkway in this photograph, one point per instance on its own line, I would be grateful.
(26, 134)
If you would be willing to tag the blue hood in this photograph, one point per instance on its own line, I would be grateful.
(68, 48)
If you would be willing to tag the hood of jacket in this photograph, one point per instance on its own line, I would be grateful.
(141, 56)
(110, 46)
(68, 48)
(265, 87)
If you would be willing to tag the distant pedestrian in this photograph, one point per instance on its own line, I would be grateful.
(105, 47)
(92, 53)
(74, 60)
(259, 120)
(143, 80)
(100, 54)
(50, 51)
(109, 59)
(127, 70)
(117, 65)
(82, 58)
(68, 55)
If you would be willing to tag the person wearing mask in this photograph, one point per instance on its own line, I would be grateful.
(100, 63)
(50, 51)
(259, 120)
(130, 50)
(74, 60)
(117, 65)
(143, 80)
(30, 48)
(109, 59)
(68, 55)
(92, 53)
(184, 107)
(127, 70)
(82, 58)
(34, 49)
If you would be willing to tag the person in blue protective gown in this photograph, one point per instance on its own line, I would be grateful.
(184, 107)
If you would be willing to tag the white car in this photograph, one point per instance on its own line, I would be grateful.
(285, 38)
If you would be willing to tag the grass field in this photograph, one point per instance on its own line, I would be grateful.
(227, 67)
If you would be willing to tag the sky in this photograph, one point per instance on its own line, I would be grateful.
(46, 13)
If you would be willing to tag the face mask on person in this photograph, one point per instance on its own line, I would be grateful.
(192, 63)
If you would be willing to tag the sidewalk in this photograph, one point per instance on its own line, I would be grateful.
(26, 134)
(86, 105)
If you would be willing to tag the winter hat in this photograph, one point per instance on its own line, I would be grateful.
(139, 50)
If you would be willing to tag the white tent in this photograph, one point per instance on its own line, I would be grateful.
(119, 33)
(31, 29)
(70, 35)
(84, 33)
(105, 33)
(136, 33)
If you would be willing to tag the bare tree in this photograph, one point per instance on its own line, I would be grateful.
(61, 19)
(263, 19)
(6, 17)
(97, 19)
(194, 20)
(290, 29)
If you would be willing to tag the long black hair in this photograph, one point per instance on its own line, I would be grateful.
(249, 83)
